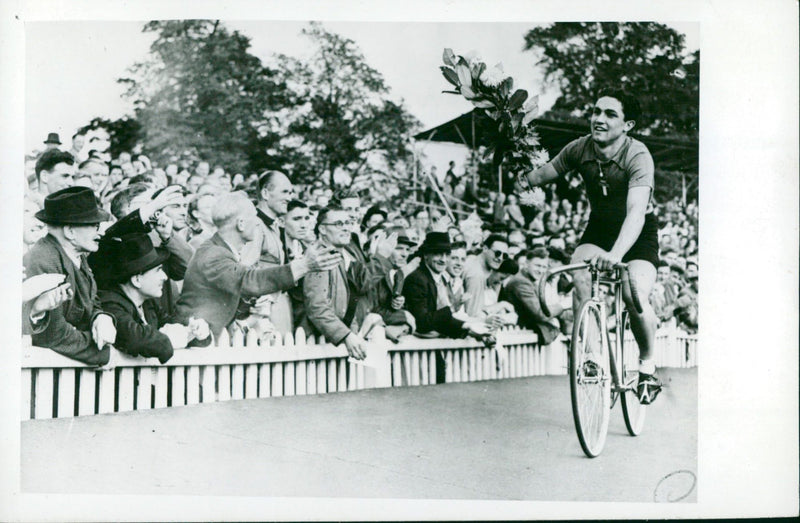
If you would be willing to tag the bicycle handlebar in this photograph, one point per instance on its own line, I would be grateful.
(623, 267)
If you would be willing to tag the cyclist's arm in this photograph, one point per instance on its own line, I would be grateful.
(544, 174)
(638, 198)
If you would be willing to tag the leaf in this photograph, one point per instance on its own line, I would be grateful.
(517, 99)
(529, 117)
(451, 92)
(464, 75)
(450, 75)
(448, 57)
(467, 92)
(483, 104)
(507, 85)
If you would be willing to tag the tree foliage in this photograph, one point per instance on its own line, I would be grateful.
(341, 122)
(648, 59)
(201, 92)
(123, 134)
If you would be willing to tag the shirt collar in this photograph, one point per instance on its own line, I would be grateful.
(268, 220)
(590, 153)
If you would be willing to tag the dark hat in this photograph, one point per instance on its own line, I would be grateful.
(53, 138)
(132, 254)
(403, 239)
(436, 243)
(72, 206)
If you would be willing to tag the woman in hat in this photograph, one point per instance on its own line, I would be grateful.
(142, 325)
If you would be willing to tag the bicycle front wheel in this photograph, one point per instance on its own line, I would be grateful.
(633, 411)
(590, 380)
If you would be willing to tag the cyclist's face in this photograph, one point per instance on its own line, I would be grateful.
(537, 267)
(608, 121)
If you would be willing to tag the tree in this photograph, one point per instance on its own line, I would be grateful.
(645, 58)
(342, 123)
(123, 134)
(201, 92)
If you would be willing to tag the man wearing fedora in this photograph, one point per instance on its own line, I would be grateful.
(79, 328)
(52, 142)
(426, 293)
(143, 328)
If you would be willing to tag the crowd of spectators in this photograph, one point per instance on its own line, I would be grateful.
(149, 258)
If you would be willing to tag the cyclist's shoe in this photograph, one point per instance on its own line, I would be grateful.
(647, 388)
(591, 369)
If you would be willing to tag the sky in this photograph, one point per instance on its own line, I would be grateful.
(72, 66)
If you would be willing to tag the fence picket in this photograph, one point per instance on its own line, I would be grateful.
(300, 378)
(27, 394)
(144, 388)
(322, 377)
(65, 408)
(342, 365)
(125, 392)
(106, 400)
(277, 379)
(423, 362)
(178, 389)
(415, 368)
(162, 387)
(264, 382)
(288, 378)
(192, 385)
(311, 377)
(224, 383)
(86, 392)
(332, 375)
(237, 382)
(251, 381)
(43, 400)
(208, 379)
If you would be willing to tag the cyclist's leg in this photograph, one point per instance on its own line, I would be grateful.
(582, 281)
(643, 325)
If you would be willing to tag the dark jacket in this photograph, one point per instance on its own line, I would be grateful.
(134, 336)
(67, 329)
(382, 290)
(215, 281)
(420, 292)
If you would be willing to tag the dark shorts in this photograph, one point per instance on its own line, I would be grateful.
(603, 231)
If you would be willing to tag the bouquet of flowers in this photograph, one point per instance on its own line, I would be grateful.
(515, 144)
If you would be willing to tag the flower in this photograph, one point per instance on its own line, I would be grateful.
(472, 57)
(532, 198)
(494, 76)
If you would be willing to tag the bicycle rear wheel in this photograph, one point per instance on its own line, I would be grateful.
(633, 411)
(590, 380)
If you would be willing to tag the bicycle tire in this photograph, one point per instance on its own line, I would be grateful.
(633, 411)
(590, 395)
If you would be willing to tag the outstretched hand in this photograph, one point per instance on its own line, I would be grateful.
(321, 260)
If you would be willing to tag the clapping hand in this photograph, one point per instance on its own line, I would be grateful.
(198, 327)
(172, 195)
(51, 299)
(163, 226)
(103, 331)
(321, 260)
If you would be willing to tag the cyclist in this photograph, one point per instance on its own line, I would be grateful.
(618, 175)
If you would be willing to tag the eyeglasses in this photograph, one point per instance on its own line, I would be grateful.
(500, 254)
(339, 223)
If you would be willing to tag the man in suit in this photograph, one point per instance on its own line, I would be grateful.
(330, 304)
(216, 280)
(426, 293)
(522, 291)
(79, 328)
(143, 328)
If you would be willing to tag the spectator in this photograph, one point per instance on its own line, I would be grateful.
(523, 293)
(199, 213)
(427, 295)
(351, 204)
(79, 328)
(177, 211)
(298, 235)
(52, 142)
(275, 190)
(454, 277)
(373, 217)
(55, 170)
(330, 304)
(215, 279)
(479, 267)
(78, 141)
(143, 328)
(127, 199)
(98, 173)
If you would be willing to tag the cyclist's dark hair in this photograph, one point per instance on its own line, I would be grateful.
(296, 204)
(495, 238)
(631, 108)
(323, 214)
(50, 159)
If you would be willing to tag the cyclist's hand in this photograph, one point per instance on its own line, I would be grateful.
(605, 260)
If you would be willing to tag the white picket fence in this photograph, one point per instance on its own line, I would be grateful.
(56, 386)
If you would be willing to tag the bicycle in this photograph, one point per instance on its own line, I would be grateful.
(597, 375)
